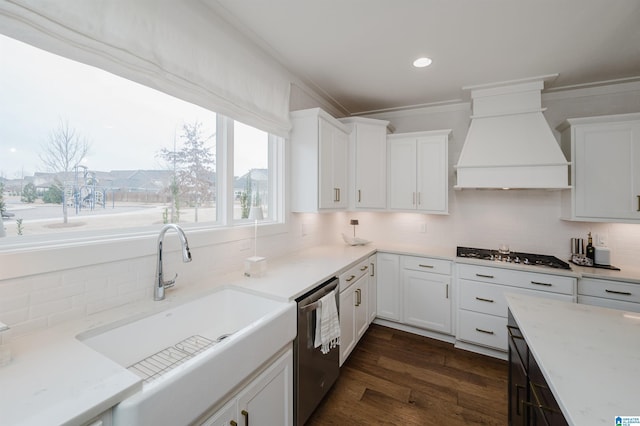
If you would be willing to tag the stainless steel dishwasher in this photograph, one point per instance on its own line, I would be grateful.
(314, 372)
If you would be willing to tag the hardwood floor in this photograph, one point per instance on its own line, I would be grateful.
(397, 378)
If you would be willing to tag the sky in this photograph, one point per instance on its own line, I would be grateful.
(126, 123)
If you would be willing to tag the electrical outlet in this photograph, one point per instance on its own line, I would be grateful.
(601, 239)
(423, 227)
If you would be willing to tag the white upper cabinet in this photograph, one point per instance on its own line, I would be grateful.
(418, 171)
(368, 165)
(605, 173)
(319, 160)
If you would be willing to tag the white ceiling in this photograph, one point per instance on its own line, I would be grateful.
(358, 53)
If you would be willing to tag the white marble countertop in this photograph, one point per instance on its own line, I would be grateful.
(289, 277)
(590, 356)
(629, 274)
(55, 379)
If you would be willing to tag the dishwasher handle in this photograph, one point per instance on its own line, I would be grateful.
(311, 300)
(310, 307)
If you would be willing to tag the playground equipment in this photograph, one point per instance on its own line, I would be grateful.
(83, 191)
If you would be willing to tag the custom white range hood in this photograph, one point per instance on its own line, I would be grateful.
(509, 143)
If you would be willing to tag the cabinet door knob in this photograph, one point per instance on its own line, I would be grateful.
(484, 331)
(638, 203)
(245, 413)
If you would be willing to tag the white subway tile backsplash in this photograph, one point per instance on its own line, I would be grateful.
(11, 303)
(66, 315)
(58, 293)
(11, 317)
(49, 308)
(45, 281)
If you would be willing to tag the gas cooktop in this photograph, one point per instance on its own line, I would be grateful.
(512, 257)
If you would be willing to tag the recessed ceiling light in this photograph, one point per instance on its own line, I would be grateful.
(422, 62)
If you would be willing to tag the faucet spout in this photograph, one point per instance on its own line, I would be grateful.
(160, 284)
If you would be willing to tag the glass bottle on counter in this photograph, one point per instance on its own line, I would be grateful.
(591, 251)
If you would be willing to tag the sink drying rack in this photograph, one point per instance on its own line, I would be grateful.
(158, 364)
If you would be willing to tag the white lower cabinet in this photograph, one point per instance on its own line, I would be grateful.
(426, 300)
(388, 286)
(266, 400)
(482, 329)
(347, 322)
(609, 294)
(415, 291)
(373, 289)
(482, 308)
(354, 312)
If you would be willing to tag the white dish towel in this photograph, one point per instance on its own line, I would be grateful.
(327, 323)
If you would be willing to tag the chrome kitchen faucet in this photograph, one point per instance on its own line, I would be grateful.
(160, 284)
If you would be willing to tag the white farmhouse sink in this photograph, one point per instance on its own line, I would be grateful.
(194, 354)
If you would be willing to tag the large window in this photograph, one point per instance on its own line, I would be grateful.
(85, 150)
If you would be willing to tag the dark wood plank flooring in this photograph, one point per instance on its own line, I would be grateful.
(397, 378)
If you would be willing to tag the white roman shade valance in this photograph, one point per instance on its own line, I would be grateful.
(179, 47)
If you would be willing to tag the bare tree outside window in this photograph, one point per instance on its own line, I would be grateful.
(63, 152)
(193, 166)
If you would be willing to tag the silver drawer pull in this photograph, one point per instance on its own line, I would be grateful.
(539, 283)
(624, 293)
(482, 299)
(484, 331)
(364, 268)
(425, 266)
(484, 276)
(351, 277)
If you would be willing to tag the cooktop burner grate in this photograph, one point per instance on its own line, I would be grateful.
(531, 259)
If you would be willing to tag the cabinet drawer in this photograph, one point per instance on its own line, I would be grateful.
(426, 264)
(483, 297)
(352, 274)
(609, 289)
(489, 298)
(609, 303)
(482, 329)
(522, 279)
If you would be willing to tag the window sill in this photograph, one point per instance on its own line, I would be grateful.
(31, 257)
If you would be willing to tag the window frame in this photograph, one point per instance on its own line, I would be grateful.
(37, 254)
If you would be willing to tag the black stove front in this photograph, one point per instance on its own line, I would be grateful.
(512, 257)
